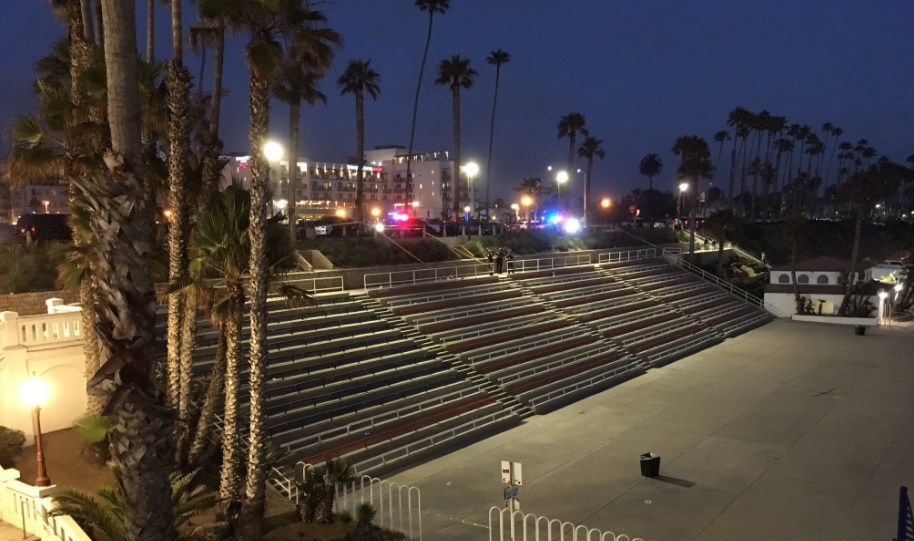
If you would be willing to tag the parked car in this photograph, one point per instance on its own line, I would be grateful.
(44, 227)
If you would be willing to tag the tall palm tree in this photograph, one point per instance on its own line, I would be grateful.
(496, 58)
(570, 126)
(210, 30)
(651, 165)
(432, 7)
(267, 23)
(296, 83)
(589, 149)
(358, 79)
(121, 221)
(720, 137)
(837, 132)
(719, 224)
(695, 164)
(456, 73)
(178, 85)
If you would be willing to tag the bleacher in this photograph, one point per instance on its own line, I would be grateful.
(384, 377)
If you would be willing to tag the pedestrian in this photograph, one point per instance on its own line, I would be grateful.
(763, 257)
(510, 258)
(499, 262)
(491, 261)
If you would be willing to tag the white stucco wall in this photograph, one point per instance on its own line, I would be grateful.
(783, 304)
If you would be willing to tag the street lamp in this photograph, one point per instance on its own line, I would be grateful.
(561, 178)
(606, 203)
(526, 201)
(33, 394)
(471, 169)
(516, 208)
(273, 152)
(46, 203)
(882, 296)
(683, 188)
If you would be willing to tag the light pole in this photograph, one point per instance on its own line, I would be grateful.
(33, 394)
(516, 208)
(882, 296)
(526, 201)
(471, 169)
(605, 204)
(683, 188)
(273, 152)
(46, 204)
(561, 178)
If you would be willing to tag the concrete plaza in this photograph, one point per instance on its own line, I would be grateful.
(791, 431)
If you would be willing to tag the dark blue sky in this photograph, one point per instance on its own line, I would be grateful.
(643, 73)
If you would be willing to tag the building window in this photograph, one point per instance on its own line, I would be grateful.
(822, 280)
(803, 279)
(784, 278)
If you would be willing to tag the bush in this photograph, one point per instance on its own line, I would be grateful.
(11, 443)
(29, 268)
(369, 251)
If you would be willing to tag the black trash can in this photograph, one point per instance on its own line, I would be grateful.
(860, 330)
(650, 465)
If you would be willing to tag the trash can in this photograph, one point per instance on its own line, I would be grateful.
(650, 465)
(860, 330)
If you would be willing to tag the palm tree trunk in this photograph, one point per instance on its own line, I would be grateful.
(294, 171)
(360, 153)
(492, 137)
(692, 221)
(230, 473)
(86, 16)
(99, 20)
(455, 93)
(94, 403)
(123, 227)
(720, 254)
(732, 172)
(571, 143)
(251, 519)
(855, 254)
(188, 337)
(412, 129)
(587, 188)
(210, 153)
(150, 30)
(210, 405)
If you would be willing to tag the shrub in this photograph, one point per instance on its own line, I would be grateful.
(28, 268)
(365, 513)
(11, 443)
(344, 516)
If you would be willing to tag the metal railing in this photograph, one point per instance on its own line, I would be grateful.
(564, 360)
(546, 263)
(629, 255)
(707, 276)
(523, 344)
(508, 525)
(390, 503)
(398, 278)
(321, 284)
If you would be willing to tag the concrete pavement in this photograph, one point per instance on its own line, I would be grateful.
(792, 431)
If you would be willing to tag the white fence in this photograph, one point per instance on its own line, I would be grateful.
(26, 508)
(544, 263)
(39, 330)
(629, 255)
(507, 525)
(399, 507)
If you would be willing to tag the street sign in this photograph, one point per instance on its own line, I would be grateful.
(511, 492)
(505, 471)
(517, 476)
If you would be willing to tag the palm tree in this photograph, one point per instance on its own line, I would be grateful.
(210, 30)
(837, 132)
(456, 73)
(178, 85)
(296, 82)
(188, 497)
(570, 126)
(695, 164)
(266, 23)
(720, 223)
(496, 58)
(121, 222)
(588, 149)
(651, 165)
(534, 188)
(432, 7)
(358, 79)
(721, 136)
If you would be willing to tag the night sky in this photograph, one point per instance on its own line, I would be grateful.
(643, 73)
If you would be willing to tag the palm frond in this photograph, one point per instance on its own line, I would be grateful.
(89, 512)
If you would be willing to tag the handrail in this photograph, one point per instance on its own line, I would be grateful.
(514, 525)
(629, 255)
(378, 280)
(545, 263)
(333, 283)
(722, 284)
(564, 361)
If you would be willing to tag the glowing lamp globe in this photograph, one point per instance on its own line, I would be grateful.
(34, 392)
(379, 227)
(272, 151)
(471, 169)
(572, 226)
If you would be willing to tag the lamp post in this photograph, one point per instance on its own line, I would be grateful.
(273, 152)
(883, 294)
(605, 204)
(561, 178)
(526, 201)
(516, 208)
(471, 169)
(33, 394)
(683, 188)
(46, 204)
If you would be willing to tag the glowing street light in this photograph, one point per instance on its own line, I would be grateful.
(471, 169)
(282, 204)
(606, 203)
(683, 188)
(376, 212)
(273, 151)
(340, 213)
(526, 200)
(33, 394)
(46, 204)
(561, 178)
